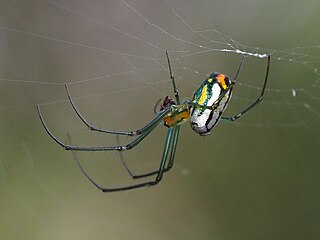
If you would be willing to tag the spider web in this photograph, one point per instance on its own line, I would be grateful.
(142, 54)
(112, 55)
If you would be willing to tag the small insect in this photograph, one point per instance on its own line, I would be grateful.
(203, 111)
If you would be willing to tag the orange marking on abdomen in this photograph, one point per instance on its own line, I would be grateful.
(221, 78)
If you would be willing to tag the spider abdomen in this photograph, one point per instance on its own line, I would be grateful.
(202, 120)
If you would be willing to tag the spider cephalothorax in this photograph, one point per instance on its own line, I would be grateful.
(177, 115)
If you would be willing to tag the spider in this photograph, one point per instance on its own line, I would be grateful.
(203, 111)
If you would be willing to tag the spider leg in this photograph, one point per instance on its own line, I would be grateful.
(123, 161)
(175, 90)
(128, 133)
(173, 147)
(148, 129)
(258, 100)
(138, 185)
(239, 69)
(98, 129)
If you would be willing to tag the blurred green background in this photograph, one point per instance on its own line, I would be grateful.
(257, 178)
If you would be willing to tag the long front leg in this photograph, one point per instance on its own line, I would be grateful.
(151, 126)
(98, 129)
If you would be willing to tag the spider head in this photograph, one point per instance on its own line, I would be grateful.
(167, 102)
